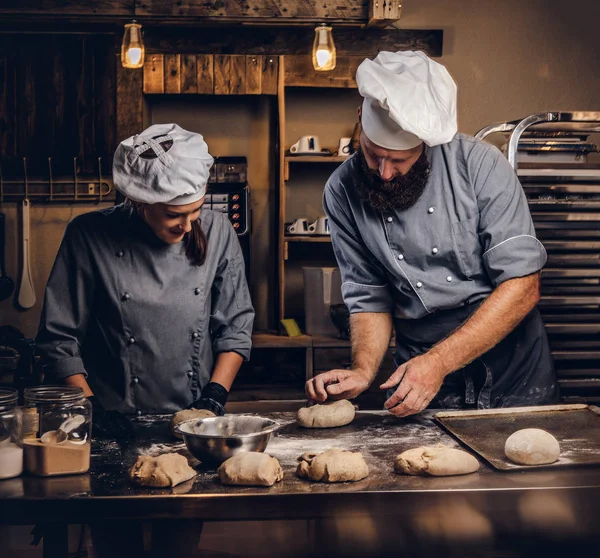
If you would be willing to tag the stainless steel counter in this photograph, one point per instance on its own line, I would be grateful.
(515, 503)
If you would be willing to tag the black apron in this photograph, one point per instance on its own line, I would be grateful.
(517, 372)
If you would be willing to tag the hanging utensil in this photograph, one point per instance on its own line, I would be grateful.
(26, 291)
(7, 285)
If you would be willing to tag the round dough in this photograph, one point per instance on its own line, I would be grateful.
(250, 468)
(168, 469)
(438, 461)
(327, 415)
(333, 465)
(187, 414)
(532, 446)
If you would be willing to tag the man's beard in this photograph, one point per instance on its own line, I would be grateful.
(399, 193)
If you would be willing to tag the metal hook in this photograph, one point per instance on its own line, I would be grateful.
(50, 176)
(75, 177)
(26, 178)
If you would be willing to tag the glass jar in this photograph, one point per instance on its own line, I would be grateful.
(58, 430)
(11, 437)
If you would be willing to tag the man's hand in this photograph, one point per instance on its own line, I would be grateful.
(337, 384)
(418, 382)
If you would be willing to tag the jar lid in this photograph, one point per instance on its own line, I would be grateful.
(8, 396)
(53, 394)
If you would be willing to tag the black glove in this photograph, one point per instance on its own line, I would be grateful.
(109, 424)
(213, 398)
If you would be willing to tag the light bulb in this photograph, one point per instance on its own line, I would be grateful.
(323, 54)
(132, 47)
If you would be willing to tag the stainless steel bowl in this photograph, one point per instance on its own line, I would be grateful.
(216, 439)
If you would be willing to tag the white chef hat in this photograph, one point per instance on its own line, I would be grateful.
(162, 164)
(408, 99)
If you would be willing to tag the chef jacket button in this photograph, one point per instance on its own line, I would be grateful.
(195, 335)
(126, 296)
(434, 250)
(431, 210)
(138, 412)
(389, 219)
(120, 254)
(190, 373)
(131, 340)
(449, 278)
(400, 256)
(196, 291)
(419, 284)
(136, 380)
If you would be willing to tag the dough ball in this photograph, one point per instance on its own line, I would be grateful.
(333, 465)
(532, 446)
(187, 414)
(438, 461)
(327, 415)
(168, 469)
(250, 468)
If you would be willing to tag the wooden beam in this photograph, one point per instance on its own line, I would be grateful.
(49, 8)
(222, 74)
(173, 73)
(189, 74)
(226, 10)
(384, 12)
(299, 72)
(253, 74)
(275, 41)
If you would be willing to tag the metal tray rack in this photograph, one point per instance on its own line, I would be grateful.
(564, 200)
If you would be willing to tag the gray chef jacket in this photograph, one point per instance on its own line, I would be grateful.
(134, 315)
(469, 231)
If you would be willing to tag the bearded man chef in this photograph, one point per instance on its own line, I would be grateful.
(433, 235)
(147, 307)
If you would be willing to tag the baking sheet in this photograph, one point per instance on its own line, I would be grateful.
(576, 427)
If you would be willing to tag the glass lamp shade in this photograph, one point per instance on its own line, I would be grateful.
(132, 47)
(323, 54)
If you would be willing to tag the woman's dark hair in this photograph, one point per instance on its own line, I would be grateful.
(195, 240)
(195, 244)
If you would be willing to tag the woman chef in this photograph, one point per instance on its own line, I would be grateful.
(147, 307)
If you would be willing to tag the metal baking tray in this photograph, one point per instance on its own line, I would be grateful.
(576, 427)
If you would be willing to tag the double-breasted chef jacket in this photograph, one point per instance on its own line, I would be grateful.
(133, 314)
(430, 266)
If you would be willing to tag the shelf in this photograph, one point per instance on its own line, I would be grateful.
(307, 238)
(314, 159)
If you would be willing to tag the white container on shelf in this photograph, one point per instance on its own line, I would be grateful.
(322, 288)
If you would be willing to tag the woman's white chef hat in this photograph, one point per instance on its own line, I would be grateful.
(408, 99)
(163, 164)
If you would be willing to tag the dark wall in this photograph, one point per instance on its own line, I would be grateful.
(57, 99)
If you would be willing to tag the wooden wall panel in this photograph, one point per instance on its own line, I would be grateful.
(299, 71)
(8, 109)
(61, 7)
(154, 74)
(237, 75)
(205, 66)
(129, 102)
(173, 73)
(105, 99)
(269, 75)
(222, 74)
(189, 74)
(253, 74)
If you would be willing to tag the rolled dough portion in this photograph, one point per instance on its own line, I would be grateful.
(168, 469)
(327, 415)
(438, 461)
(251, 468)
(333, 465)
(532, 446)
(187, 414)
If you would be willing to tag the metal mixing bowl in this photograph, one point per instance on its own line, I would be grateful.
(216, 439)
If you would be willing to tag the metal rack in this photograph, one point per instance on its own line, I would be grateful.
(564, 200)
(73, 188)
